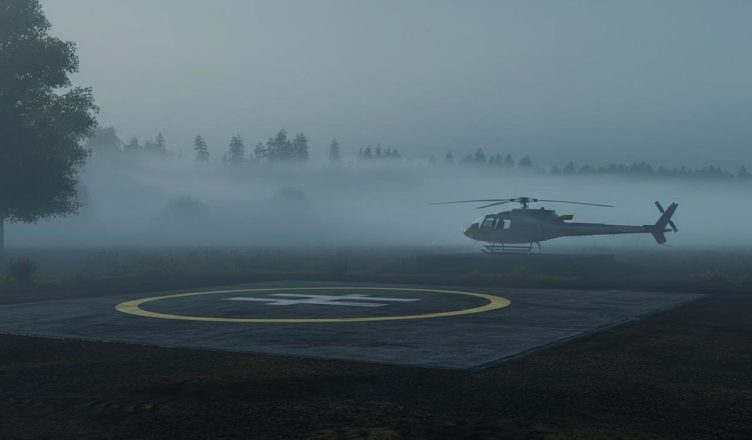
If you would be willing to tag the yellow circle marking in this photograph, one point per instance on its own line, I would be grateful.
(134, 307)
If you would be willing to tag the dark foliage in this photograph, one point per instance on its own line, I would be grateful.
(23, 270)
(42, 118)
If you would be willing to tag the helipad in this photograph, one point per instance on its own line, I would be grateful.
(427, 326)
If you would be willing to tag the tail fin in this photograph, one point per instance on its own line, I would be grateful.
(663, 221)
(659, 236)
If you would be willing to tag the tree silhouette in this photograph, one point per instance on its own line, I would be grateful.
(480, 157)
(42, 118)
(133, 146)
(236, 154)
(160, 144)
(508, 161)
(300, 147)
(279, 148)
(743, 173)
(368, 152)
(525, 162)
(201, 149)
(105, 141)
(260, 152)
(334, 155)
(569, 168)
(449, 158)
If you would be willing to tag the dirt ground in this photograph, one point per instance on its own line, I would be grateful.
(684, 373)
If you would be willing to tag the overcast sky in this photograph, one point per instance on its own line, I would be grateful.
(666, 81)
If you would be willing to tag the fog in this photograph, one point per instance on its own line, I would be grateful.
(669, 82)
(594, 82)
(168, 202)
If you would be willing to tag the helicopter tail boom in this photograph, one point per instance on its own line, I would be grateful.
(663, 221)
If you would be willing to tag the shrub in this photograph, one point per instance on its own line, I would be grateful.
(23, 270)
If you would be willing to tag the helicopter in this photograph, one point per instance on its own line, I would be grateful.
(507, 230)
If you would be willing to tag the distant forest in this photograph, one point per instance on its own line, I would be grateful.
(284, 148)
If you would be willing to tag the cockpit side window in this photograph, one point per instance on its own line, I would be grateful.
(503, 223)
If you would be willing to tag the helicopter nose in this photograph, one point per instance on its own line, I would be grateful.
(471, 230)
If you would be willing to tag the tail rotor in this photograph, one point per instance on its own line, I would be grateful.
(665, 220)
(670, 223)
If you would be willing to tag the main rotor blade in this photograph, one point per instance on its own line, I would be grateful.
(471, 201)
(574, 203)
(493, 204)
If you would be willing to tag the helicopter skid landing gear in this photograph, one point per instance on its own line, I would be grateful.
(501, 248)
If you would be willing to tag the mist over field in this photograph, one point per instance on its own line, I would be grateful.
(660, 88)
(178, 202)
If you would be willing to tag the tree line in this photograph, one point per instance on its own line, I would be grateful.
(279, 148)
(283, 148)
(637, 169)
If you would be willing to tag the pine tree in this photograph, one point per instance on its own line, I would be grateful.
(133, 146)
(299, 148)
(334, 156)
(743, 173)
(157, 146)
(508, 161)
(449, 159)
(569, 168)
(525, 162)
(260, 152)
(377, 152)
(395, 154)
(237, 150)
(480, 156)
(279, 147)
(368, 152)
(201, 149)
(160, 144)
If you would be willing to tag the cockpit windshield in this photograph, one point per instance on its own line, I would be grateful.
(493, 222)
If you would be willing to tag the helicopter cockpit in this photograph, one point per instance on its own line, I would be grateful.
(491, 221)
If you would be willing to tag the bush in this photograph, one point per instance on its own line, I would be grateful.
(23, 271)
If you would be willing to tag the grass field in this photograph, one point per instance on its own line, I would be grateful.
(118, 270)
